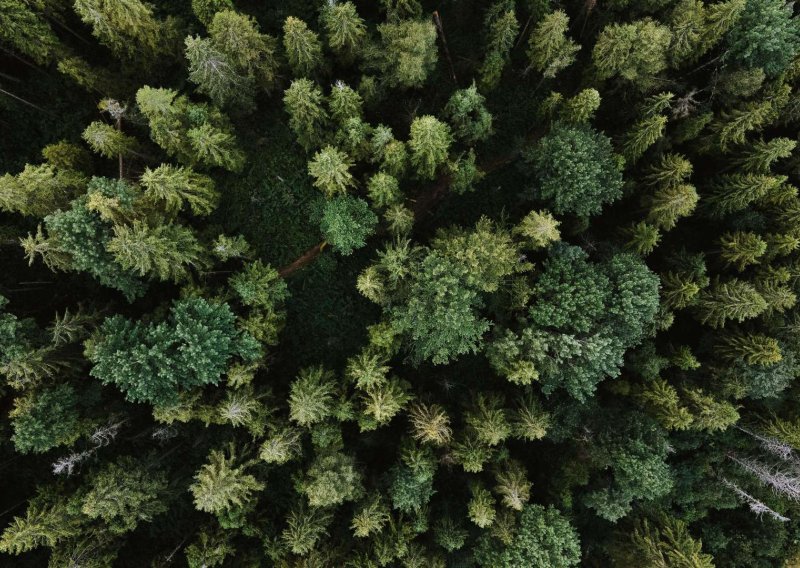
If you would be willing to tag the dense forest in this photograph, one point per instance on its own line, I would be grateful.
(359, 284)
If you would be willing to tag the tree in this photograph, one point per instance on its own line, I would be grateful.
(330, 169)
(215, 75)
(636, 51)
(45, 419)
(253, 54)
(220, 486)
(153, 362)
(332, 480)
(26, 31)
(732, 300)
(467, 113)
(205, 9)
(39, 190)
(346, 223)
(127, 27)
(407, 53)
(345, 29)
(175, 187)
(742, 249)
(429, 142)
(439, 316)
(662, 545)
(125, 493)
(312, 396)
(576, 169)
(748, 45)
(303, 101)
(502, 28)
(549, 49)
(543, 538)
(303, 48)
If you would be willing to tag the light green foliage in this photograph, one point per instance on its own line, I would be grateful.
(407, 53)
(481, 507)
(330, 169)
(39, 190)
(753, 349)
(259, 285)
(539, 229)
(175, 187)
(429, 142)
(312, 396)
(127, 27)
(345, 103)
(332, 479)
(107, 141)
(208, 550)
(307, 117)
(668, 543)
(193, 133)
(164, 252)
(344, 28)
(636, 51)
(581, 108)
(346, 223)
(741, 249)
(643, 135)
(27, 31)
(411, 482)
(214, 74)
(220, 485)
(732, 300)
(205, 10)
(576, 169)
(761, 155)
(467, 113)
(153, 362)
(384, 190)
(304, 529)
(124, 494)
(673, 198)
(252, 54)
(550, 50)
(544, 538)
(370, 518)
(44, 524)
(45, 419)
(303, 48)
(765, 35)
(642, 238)
(502, 28)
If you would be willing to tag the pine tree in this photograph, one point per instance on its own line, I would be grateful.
(407, 54)
(26, 31)
(331, 480)
(742, 249)
(502, 28)
(370, 518)
(312, 396)
(307, 117)
(215, 147)
(430, 424)
(732, 300)
(663, 545)
(759, 157)
(636, 51)
(467, 113)
(539, 228)
(550, 50)
(345, 29)
(346, 223)
(642, 136)
(384, 190)
(45, 419)
(205, 9)
(481, 508)
(164, 252)
(303, 48)
(754, 349)
(175, 187)
(642, 238)
(581, 108)
(429, 142)
(220, 485)
(747, 42)
(330, 169)
(215, 75)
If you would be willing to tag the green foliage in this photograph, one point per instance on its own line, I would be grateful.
(429, 143)
(636, 51)
(576, 169)
(407, 53)
(765, 36)
(220, 485)
(668, 545)
(46, 419)
(543, 538)
(174, 188)
(330, 169)
(303, 48)
(549, 49)
(303, 101)
(153, 362)
(467, 113)
(331, 480)
(346, 223)
(27, 31)
(123, 494)
(344, 28)
(502, 28)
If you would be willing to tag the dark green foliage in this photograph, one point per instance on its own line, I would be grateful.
(45, 419)
(576, 170)
(766, 35)
(346, 223)
(154, 362)
(543, 539)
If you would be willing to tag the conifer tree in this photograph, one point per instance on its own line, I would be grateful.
(345, 29)
(174, 187)
(303, 48)
(220, 485)
(429, 142)
(330, 169)
(636, 51)
(502, 28)
(303, 101)
(550, 50)
(407, 53)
